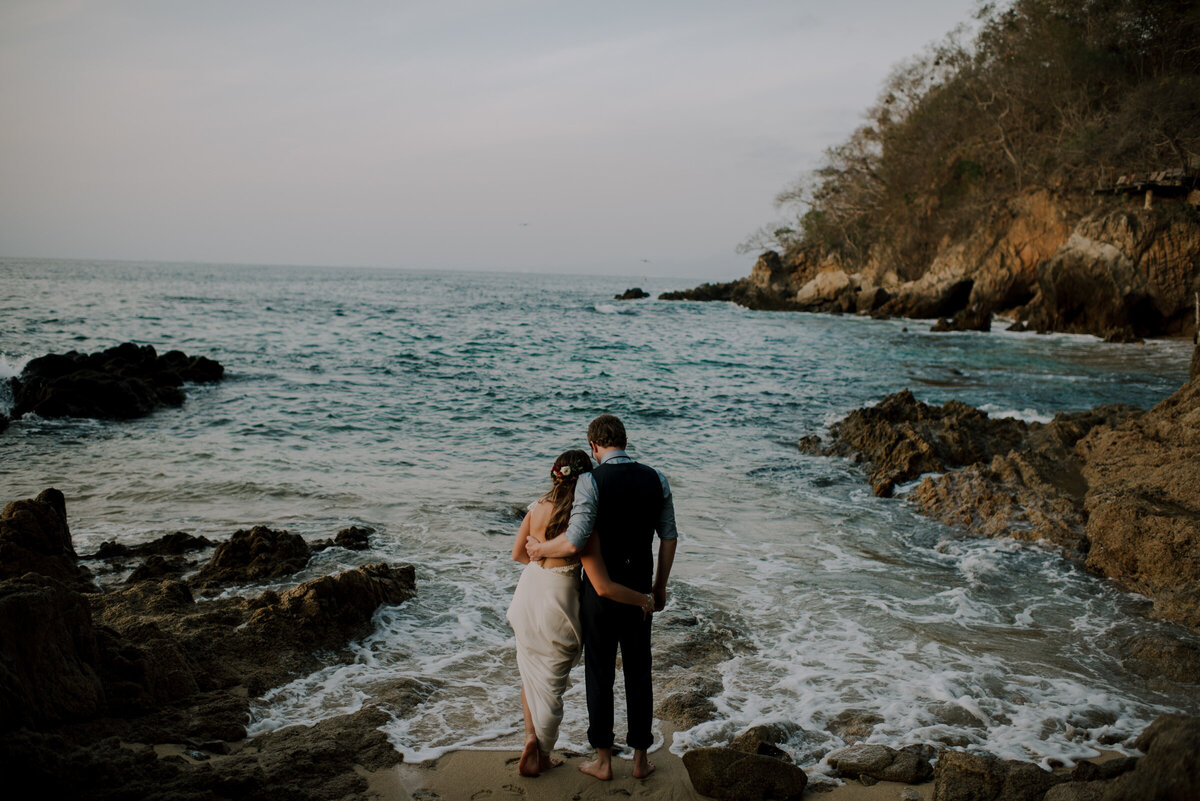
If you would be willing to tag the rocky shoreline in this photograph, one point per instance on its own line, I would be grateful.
(1115, 488)
(143, 690)
(1047, 261)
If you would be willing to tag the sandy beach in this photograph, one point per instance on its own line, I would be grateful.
(470, 775)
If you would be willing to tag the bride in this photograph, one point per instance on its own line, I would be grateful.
(544, 612)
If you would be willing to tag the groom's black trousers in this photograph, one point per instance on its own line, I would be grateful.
(608, 625)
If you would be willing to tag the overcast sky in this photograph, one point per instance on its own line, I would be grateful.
(625, 138)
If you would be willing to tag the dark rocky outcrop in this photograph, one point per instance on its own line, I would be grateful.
(305, 763)
(122, 382)
(84, 674)
(974, 318)
(35, 538)
(636, 293)
(727, 773)
(49, 655)
(1170, 768)
(254, 555)
(902, 438)
(354, 538)
(767, 288)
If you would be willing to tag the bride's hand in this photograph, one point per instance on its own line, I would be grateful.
(533, 547)
(647, 606)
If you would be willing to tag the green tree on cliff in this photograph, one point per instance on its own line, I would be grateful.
(1061, 95)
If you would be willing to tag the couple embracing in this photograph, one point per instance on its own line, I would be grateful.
(602, 519)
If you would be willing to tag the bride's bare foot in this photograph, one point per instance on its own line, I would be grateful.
(545, 761)
(642, 766)
(531, 759)
(597, 768)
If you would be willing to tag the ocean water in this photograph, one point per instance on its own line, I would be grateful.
(430, 406)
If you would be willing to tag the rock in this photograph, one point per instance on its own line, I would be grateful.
(903, 438)
(827, 287)
(174, 544)
(853, 725)
(1170, 768)
(810, 444)
(1018, 327)
(770, 286)
(960, 776)
(911, 794)
(327, 611)
(1124, 334)
(111, 549)
(254, 555)
(35, 538)
(354, 538)
(871, 299)
(156, 567)
(1076, 791)
(726, 773)
(1102, 771)
(1153, 655)
(763, 740)
(49, 656)
(636, 293)
(974, 318)
(3, 422)
(1018, 495)
(1127, 270)
(881, 763)
(300, 762)
(122, 382)
(686, 708)
(1113, 485)
(1143, 504)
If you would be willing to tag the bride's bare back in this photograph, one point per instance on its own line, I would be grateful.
(539, 518)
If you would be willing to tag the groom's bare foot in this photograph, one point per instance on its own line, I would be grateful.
(598, 768)
(531, 758)
(642, 766)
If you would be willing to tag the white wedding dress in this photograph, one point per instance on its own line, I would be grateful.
(544, 615)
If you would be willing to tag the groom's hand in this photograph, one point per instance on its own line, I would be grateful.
(660, 598)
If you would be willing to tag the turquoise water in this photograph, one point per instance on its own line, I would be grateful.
(429, 405)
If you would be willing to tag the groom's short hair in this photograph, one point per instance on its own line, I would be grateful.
(607, 431)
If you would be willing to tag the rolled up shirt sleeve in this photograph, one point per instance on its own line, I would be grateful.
(666, 519)
(583, 512)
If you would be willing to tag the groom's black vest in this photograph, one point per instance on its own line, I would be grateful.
(629, 506)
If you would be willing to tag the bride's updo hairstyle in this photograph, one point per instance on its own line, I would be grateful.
(566, 471)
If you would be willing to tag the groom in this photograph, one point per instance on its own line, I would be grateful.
(625, 503)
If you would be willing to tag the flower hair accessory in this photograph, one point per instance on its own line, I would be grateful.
(561, 471)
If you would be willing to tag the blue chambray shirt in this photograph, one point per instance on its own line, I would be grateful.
(583, 508)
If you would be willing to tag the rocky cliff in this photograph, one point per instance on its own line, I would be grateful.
(1051, 262)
